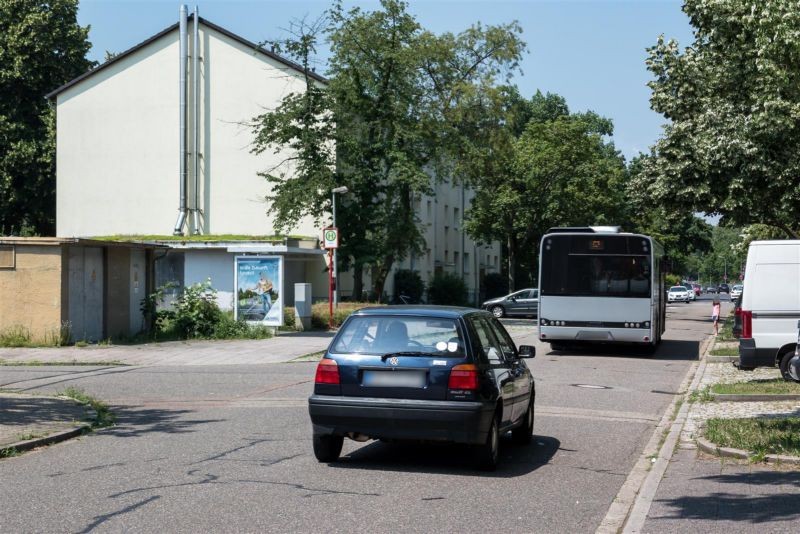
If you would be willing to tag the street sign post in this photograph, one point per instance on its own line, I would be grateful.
(330, 237)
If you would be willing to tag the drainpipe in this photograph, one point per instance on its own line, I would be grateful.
(196, 118)
(182, 76)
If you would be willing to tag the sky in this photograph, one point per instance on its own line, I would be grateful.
(592, 52)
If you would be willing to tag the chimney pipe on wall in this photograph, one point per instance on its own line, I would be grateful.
(196, 118)
(182, 76)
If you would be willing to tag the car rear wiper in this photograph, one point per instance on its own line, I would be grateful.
(407, 353)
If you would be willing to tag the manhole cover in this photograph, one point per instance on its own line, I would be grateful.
(591, 386)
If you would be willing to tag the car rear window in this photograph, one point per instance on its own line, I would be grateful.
(387, 334)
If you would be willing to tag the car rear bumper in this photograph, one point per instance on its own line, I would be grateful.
(750, 356)
(457, 421)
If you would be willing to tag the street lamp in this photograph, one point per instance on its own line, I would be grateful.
(341, 190)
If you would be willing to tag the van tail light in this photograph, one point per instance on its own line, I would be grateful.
(747, 323)
(464, 376)
(327, 372)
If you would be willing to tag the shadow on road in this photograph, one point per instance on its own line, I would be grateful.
(451, 459)
(670, 349)
(766, 506)
(134, 422)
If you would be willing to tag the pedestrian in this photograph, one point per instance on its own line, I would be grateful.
(715, 315)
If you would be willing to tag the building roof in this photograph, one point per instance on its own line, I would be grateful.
(231, 35)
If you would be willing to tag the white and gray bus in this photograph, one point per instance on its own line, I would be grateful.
(599, 285)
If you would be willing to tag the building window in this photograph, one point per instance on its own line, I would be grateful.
(7, 257)
(430, 212)
(495, 262)
(455, 259)
(456, 214)
(446, 213)
(446, 255)
(428, 256)
(466, 262)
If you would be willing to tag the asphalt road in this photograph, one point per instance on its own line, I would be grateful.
(228, 449)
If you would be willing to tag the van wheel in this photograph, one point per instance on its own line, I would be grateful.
(784, 367)
(327, 448)
(486, 455)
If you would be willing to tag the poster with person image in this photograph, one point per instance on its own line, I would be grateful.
(259, 289)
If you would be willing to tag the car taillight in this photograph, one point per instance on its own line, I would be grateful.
(327, 372)
(747, 323)
(464, 376)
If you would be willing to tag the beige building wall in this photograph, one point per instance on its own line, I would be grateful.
(31, 291)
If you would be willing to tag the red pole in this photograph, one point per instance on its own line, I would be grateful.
(330, 288)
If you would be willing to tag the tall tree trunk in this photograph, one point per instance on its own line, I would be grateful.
(512, 259)
(380, 273)
(358, 281)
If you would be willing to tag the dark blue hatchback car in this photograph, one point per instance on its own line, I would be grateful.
(428, 373)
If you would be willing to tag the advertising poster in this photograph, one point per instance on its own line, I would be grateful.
(259, 289)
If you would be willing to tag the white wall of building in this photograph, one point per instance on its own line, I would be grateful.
(118, 140)
(200, 265)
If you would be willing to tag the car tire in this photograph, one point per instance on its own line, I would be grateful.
(784, 366)
(327, 447)
(487, 455)
(498, 311)
(523, 434)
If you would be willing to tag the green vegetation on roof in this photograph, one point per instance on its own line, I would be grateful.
(203, 238)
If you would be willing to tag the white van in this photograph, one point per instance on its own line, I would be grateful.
(770, 305)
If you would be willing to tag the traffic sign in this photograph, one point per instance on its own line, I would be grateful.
(330, 237)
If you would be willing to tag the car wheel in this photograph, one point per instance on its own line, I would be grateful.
(784, 366)
(327, 447)
(523, 434)
(498, 311)
(488, 453)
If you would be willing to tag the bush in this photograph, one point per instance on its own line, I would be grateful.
(672, 280)
(196, 311)
(320, 313)
(15, 336)
(447, 289)
(495, 285)
(288, 317)
(409, 284)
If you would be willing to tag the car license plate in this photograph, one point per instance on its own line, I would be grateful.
(397, 379)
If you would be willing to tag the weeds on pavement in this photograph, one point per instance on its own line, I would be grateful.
(104, 416)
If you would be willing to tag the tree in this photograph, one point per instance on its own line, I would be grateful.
(41, 47)
(556, 169)
(391, 111)
(732, 145)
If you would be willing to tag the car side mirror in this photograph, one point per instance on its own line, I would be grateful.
(527, 351)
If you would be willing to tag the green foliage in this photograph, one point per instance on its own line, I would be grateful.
(775, 386)
(447, 289)
(495, 285)
(21, 336)
(320, 313)
(41, 47)
(408, 283)
(536, 166)
(15, 336)
(288, 317)
(672, 279)
(732, 99)
(760, 436)
(195, 314)
(400, 106)
(103, 415)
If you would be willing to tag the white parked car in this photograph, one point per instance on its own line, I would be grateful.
(736, 291)
(678, 294)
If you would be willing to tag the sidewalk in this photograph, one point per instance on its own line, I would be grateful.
(704, 493)
(282, 348)
(26, 419)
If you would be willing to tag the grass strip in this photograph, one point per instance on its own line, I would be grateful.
(757, 436)
(73, 363)
(776, 386)
(313, 357)
(103, 415)
(725, 351)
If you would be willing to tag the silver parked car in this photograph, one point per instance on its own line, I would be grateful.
(524, 302)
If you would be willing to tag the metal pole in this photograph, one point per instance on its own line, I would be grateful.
(330, 291)
(335, 274)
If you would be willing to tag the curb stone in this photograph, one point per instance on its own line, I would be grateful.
(729, 452)
(56, 437)
(754, 397)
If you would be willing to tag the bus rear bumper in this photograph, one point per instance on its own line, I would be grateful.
(596, 335)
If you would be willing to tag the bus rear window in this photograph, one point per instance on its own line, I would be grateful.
(576, 266)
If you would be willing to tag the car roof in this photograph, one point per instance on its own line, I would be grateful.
(418, 310)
